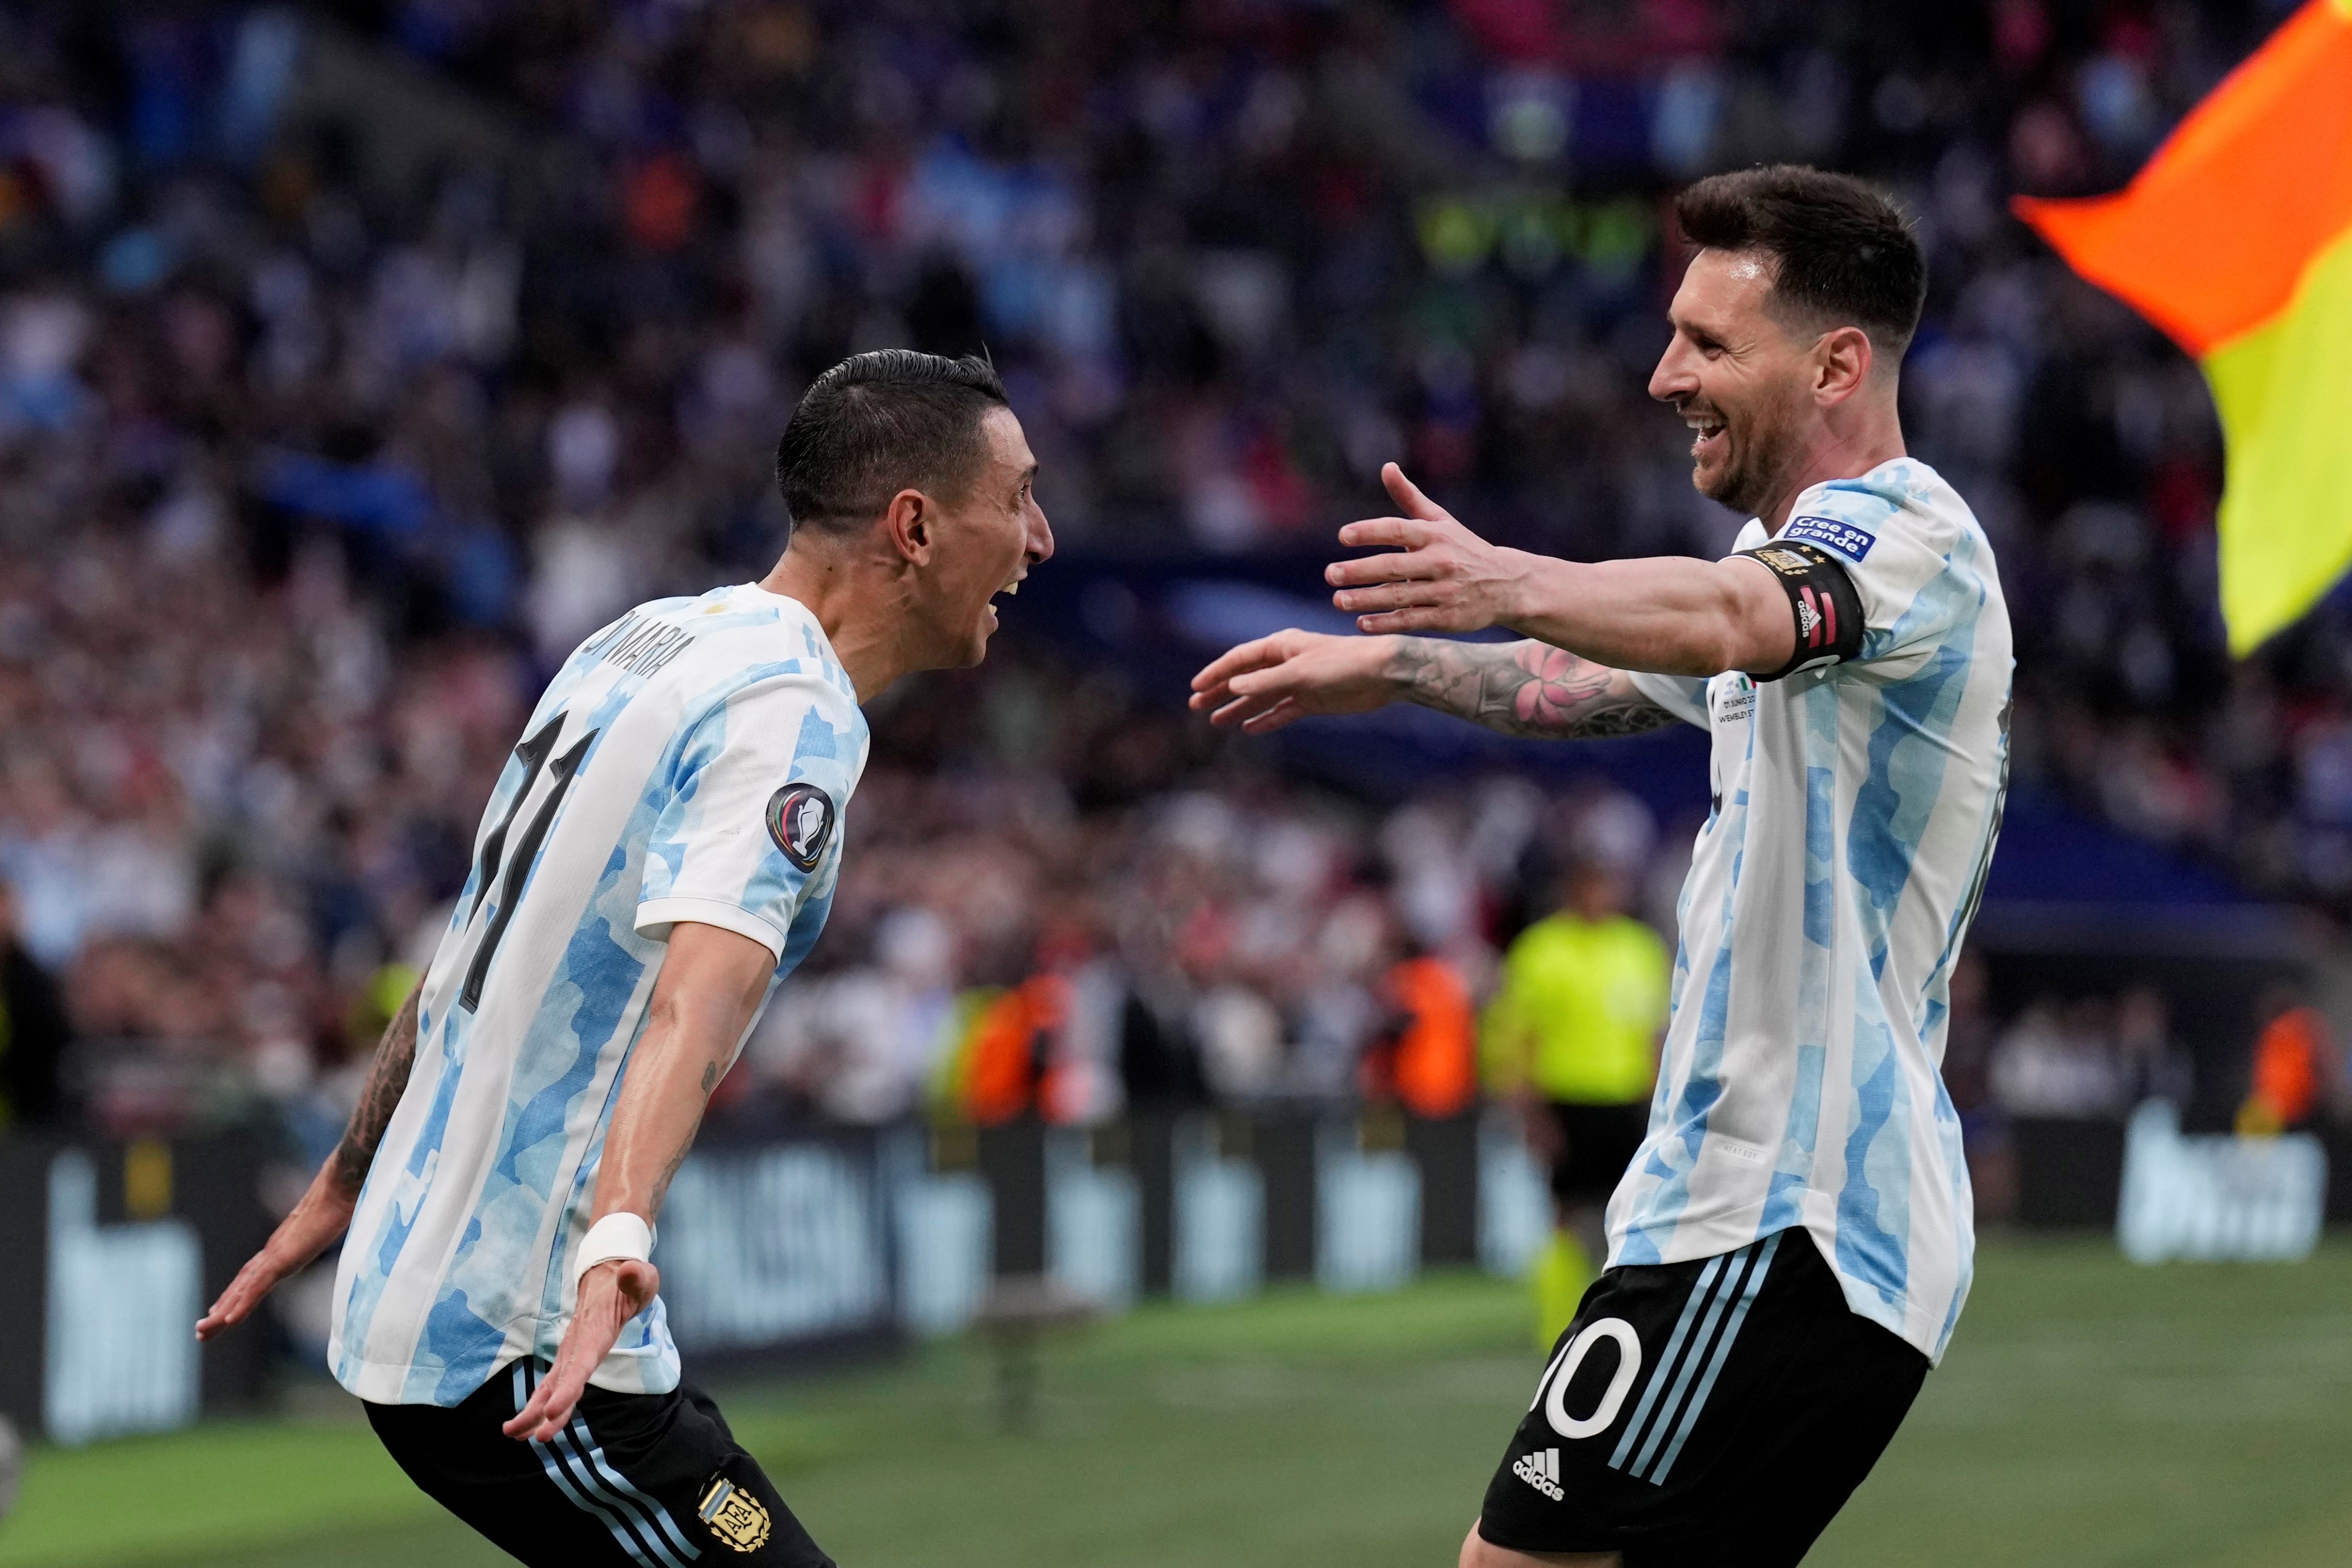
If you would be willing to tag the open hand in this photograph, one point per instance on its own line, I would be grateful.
(610, 1295)
(305, 1232)
(1437, 577)
(1277, 680)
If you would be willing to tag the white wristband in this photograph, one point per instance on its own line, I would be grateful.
(622, 1236)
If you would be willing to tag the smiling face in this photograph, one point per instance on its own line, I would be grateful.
(1743, 378)
(981, 544)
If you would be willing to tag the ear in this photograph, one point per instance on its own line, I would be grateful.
(1842, 361)
(910, 523)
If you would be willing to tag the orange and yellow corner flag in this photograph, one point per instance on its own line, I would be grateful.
(2236, 239)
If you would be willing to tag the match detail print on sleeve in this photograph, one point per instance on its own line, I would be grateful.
(1821, 599)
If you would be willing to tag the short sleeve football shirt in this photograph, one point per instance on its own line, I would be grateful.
(689, 762)
(1855, 806)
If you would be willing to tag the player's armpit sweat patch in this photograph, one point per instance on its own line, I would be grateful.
(1828, 611)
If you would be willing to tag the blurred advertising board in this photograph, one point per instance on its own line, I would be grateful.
(119, 1244)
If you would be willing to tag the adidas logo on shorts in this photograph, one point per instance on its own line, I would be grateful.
(1541, 1472)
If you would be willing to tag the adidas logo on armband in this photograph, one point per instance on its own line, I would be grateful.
(1541, 1472)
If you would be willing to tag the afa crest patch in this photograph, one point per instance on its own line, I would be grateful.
(738, 1518)
(800, 819)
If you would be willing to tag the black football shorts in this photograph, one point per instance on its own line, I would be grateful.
(1596, 1144)
(1703, 1414)
(636, 1481)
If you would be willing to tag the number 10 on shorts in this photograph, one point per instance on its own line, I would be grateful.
(1551, 1390)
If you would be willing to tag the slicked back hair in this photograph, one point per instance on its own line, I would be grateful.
(1844, 254)
(880, 423)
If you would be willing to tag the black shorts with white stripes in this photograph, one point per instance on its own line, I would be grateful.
(645, 1481)
(1706, 1412)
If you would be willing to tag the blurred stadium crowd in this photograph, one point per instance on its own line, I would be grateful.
(355, 363)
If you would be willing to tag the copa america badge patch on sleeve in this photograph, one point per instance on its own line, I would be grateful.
(800, 819)
(1848, 541)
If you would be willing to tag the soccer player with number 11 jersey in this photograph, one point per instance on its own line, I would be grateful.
(659, 854)
(1791, 1247)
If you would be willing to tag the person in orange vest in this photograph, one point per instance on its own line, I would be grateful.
(1429, 1063)
(1013, 1053)
(2297, 1068)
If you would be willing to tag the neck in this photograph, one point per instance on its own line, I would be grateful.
(860, 598)
(1841, 449)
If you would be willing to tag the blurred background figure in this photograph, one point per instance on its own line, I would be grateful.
(34, 1030)
(1429, 1062)
(2059, 1060)
(2297, 1074)
(2152, 1061)
(1573, 1034)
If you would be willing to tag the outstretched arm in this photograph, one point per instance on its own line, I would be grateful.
(1520, 689)
(324, 1210)
(1675, 615)
(710, 986)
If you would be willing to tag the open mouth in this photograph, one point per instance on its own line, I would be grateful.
(1009, 589)
(1710, 438)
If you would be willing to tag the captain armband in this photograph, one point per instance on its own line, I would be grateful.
(1821, 596)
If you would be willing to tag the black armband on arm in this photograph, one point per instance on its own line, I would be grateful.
(1821, 596)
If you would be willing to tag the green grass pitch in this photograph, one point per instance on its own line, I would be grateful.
(2090, 1414)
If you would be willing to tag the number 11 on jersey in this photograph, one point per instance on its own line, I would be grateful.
(533, 755)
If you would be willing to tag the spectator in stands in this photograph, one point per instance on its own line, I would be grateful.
(1573, 1036)
(2058, 1059)
(33, 1031)
(2151, 1060)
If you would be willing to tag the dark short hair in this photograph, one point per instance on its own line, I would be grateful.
(1844, 253)
(880, 423)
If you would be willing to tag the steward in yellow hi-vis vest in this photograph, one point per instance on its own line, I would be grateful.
(1572, 1036)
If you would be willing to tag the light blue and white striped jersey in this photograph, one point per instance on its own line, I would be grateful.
(1855, 809)
(689, 762)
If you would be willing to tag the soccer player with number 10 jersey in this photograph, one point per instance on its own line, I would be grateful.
(1790, 1245)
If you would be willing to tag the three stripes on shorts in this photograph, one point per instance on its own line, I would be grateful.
(1678, 1385)
(577, 1465)
(1693, 1358)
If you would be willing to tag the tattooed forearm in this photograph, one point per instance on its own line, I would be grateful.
(385, 1081)
(1524, 688)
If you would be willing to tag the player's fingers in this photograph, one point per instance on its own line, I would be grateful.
(225, 1313)
(549, 1408)
(1417, 618)
(1274, 681)
(1389, 597)
(1407, 494)
(1385, 533)
(524, 1423)
(1234, 660)
(237, 1304)
(1239, 711)
(1238, 684)
(1285, 713)
(1398, 566)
